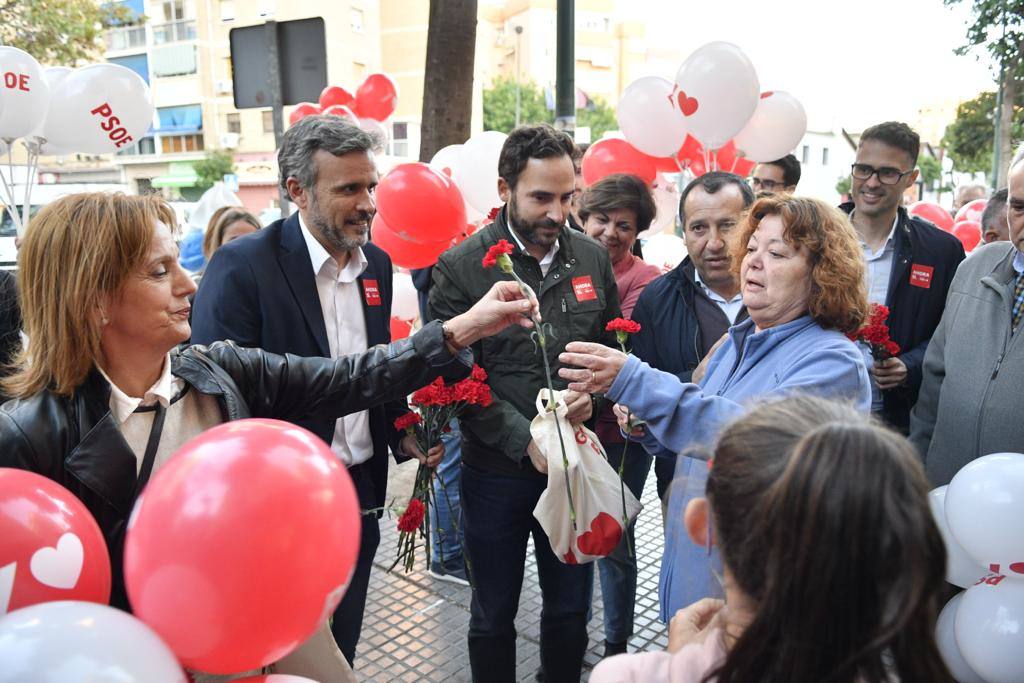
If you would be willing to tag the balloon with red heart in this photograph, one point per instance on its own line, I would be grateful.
(421, 203)
(243, 544)
(718, 92)
(403, 252)
(934, 213)
(615, 155)
(376, 98)
(301, 111)
(336, 96)
(50, 546)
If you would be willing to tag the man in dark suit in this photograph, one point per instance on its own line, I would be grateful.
(312, 285)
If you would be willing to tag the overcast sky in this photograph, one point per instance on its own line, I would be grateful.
(850, 63)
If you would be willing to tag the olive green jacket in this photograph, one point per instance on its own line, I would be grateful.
(577, 298)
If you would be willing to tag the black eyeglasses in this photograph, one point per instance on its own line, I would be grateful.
(765, 184)
(886, 175)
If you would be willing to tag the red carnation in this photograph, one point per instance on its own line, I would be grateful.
(493, 214)
(408, 421)
(434, 394)
(412, 517)
(623, 325)
(875, 333)
(498, 256)
(478, 373)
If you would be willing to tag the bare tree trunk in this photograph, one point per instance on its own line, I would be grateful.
(448, 81)
(1011, 86)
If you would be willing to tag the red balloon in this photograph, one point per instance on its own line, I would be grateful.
(376, 98)
(242, 545)
(301, 111)
(421, 204)
(969, 234)
(971, 211)
(405, 253)
(342, 111)
(934, 213)
(50, 546)
(336, 96)
(274, 678)
(691, 152)
(400, 329)
(614, 155)
(667, 164)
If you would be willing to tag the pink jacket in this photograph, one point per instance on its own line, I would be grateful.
(689, 665)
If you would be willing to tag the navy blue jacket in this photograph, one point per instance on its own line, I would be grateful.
(924, 263)
(669, 336)
(260, 291)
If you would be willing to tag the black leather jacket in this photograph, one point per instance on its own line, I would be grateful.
(76, 442)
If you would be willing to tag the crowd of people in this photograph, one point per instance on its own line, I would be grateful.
(782, 449)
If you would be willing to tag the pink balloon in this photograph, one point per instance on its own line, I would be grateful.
(934, 213)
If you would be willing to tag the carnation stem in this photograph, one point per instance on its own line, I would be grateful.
(541, 338)
(622, 468)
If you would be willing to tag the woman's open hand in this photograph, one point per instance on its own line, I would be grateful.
(600, 366)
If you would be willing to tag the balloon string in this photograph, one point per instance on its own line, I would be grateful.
(9, 189)
(735, 160)
(30, 181)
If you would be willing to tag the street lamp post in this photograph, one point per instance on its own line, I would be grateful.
(519, 33)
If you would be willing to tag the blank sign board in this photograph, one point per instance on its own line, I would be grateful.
(302, 62)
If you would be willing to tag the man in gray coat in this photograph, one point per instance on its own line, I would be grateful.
(970, 404)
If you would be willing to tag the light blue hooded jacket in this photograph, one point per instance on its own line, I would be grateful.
(798, 356)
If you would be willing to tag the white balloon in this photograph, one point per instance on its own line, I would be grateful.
(984, 508)
(665, 251)
(24, 93)
(53, 75)
(649, 117)
(405, 302)
(961, 569)
(718, 92)
(446, 158)
(70, 642)
(945, 638)
(379, 131)
(775, 129)
(104, 108)
(476, 172)
(989, 629)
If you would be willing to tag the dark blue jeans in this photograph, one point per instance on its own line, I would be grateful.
(446, 512)
(499, 520)
(618, 569)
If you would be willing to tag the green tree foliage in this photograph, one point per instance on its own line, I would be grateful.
(998, 26)
(931, 173)
(968, 140)
(59, 31)
(500, 109)
(843, 185)
(214, 167)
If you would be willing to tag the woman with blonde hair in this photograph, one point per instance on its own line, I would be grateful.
(801, 273)
(103, 396)
(227, 224)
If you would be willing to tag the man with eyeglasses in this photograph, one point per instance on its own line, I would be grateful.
(974, 368)
(909, 262)
(781, 175)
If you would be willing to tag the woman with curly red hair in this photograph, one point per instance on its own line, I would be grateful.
(801, 275)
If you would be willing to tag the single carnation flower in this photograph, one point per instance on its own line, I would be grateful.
(497, 255)
(412, 517)
(408, 421)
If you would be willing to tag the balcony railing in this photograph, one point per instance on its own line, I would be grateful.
(126, 38)
(174, 32)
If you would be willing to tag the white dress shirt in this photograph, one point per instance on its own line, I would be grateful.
(730, 308)
(342, 306)
(879, 266)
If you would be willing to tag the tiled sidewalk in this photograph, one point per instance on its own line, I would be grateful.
(415, 626)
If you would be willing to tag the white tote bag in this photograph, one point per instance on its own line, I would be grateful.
(596, 491)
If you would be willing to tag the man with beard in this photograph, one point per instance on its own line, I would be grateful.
(503, 471)
(312, 285)
(909, 263)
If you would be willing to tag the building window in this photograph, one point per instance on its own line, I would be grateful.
(356, 20)
(268, 122)
(358, 72)
(178, 22)
(824, 156)
(176, 144)
(234, 123)
(137, 63)
(145, 186)
(173, 60)
(227, 10)
(147, 145)
(400, 145)
(805, 155)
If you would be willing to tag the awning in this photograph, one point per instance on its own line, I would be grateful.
(179, 174)
(176, 120)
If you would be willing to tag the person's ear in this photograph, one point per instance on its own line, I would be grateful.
(504, 191)
(696, 520)
(298, 194)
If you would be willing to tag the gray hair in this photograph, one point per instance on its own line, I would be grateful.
(1018, 156)
(711, 183)
(311, 133)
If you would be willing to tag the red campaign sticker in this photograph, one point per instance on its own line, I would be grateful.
(921, 276)
(371, 292)
(583, 288)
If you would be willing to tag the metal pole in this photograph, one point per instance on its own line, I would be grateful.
(996, 141)
(274, 80)
(519, 33)
(565, 64)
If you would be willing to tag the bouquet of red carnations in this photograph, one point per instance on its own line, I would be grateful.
(875, 333)
(436, 405)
